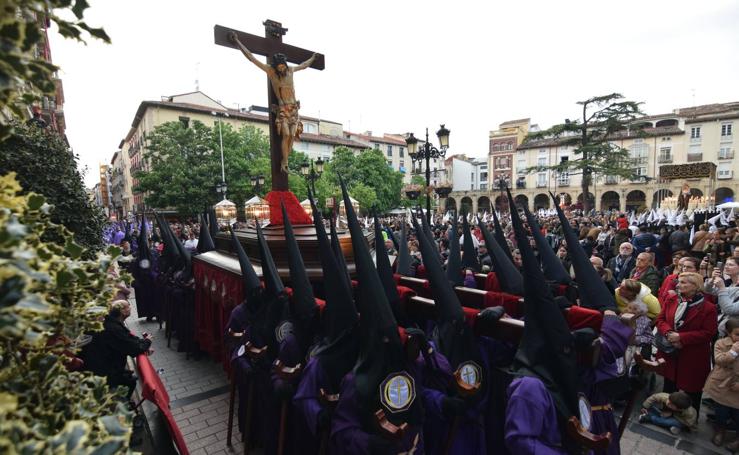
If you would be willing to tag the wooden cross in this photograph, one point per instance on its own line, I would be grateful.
(269, 45)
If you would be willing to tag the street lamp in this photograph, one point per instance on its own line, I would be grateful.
(425, 153)
(220, 137)
(257, 181)
(311, 173)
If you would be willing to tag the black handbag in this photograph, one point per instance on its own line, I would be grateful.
(664, 346)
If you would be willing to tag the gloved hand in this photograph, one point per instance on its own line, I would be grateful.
(452, 407)
(380, 446)
(491, 314)
(284, 390)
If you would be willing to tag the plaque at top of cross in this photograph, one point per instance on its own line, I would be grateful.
(284, 119)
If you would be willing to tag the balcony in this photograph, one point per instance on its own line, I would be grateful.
(563, 182)
(693, 157)
(541, 184)
(611, 180)
(695, 140)
(665, 158)
(726, 155)
(521, 185)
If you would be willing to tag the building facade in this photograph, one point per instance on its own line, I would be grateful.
(665, 150)
(503, 145)
(319, 139)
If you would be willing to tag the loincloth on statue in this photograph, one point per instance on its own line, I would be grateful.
(288, 118)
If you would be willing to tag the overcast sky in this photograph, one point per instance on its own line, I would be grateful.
(398, 66)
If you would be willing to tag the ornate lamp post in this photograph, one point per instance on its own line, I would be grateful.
(257, 181)
(413, 192)
(311, 173)
(425, 152)
(443, 191)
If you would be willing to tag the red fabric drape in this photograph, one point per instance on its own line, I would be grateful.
(509, 302)
(580, 317)
(492, 283)
(295, 211)
(217, 292)
(153, 390)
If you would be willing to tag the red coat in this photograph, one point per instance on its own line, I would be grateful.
(689, 366)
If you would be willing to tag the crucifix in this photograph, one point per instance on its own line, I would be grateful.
(284, 122)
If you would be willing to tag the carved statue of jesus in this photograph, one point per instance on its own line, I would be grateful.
(280, 77)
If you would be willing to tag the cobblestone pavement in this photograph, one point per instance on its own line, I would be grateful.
(199, 392)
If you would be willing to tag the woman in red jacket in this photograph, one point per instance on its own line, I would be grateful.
(687, 324)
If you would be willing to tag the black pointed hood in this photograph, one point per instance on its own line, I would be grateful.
(212, 222)
(508, 275)
(185, 260)
(469, 259)
(303, 301)
(143, 257)
(339, 255)
(386, 274)
(591, 289)
(553, 268)
(340, 313)
(272, 282)
(340, 348)
(499, 235)
(547, 348)
(404, 256)
(381, 351)
(454, 262)
(128, 237)
(251, 284)
(167, 259)
(176, 261)
(205, 241)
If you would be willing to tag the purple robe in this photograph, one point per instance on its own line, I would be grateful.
(308, 406)
(118, 237)
(531, 425)
(615, 338)
(290, 355)
(347, 433)
(475, 426)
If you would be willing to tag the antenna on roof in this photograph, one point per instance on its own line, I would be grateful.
(693, 91)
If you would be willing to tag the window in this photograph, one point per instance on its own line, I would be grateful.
(611, 180)
(665, 155)
(563, 179)
(521, 165)
(402, 152)
(725, 153)
(694, 152)
(724, 171)
(542, 161)
(483, 186)
(402, 163)
(638, 152)
(483, 176)
(472, 177)
(695, 132)
(377, 146)
(726, 129)
(509, 146)
(389, 151)
(484, 167)
(541, 179)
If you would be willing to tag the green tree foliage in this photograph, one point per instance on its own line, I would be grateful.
(368, 172)
(24, 74)
(603, 118)
(50, 296)
(45, 165)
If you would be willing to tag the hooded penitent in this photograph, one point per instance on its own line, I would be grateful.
(185, 260)
(302, 308)
(404, 256)
(128, 237)
(386, 275)
(591, 288)
(144, 254)
(274, 292)
(340, 347)
(499, 236)
(169, 257)
(381, 361)
(454, 263)
(508, 275)
(339, 255)
(212, 222)
(547, 347)
(552, 266)
(469, 259)
(453, 336)
(205, 241)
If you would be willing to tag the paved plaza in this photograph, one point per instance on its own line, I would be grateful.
(198, 388)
